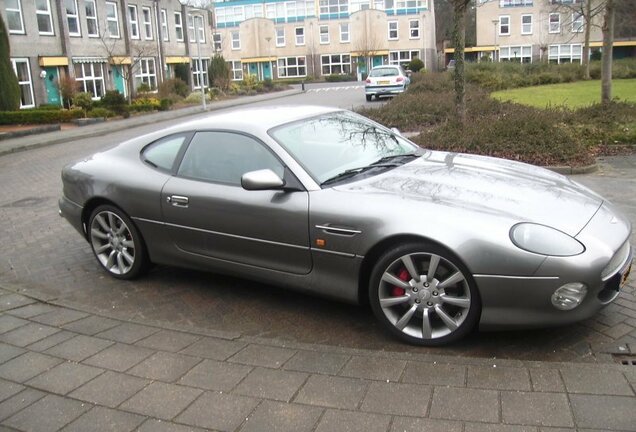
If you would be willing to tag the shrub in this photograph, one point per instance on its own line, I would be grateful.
(415, 65)
(143, 88)
(68, 89)
(10, 99)
(164, 104)
(37, 116)
(49, 107)
(219, 72)
(340, 78)
(144, 104)
(83, 100)
(195, 98)
(250, 81)
(100, 112)
(115, 102)
(173, 89)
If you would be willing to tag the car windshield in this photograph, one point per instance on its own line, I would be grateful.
(383, 72)
(329, 145)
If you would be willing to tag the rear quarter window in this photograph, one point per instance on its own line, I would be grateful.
(163, 153)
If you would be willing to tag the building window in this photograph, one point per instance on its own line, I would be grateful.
(90, 77)
(555, 23)
(280, 36)
(402, 58)
(43, 14)
(324, 34)
(335, 64)
(178, 26)
(237, 70)
(393, 6)
(567, 53)
(196, 22)
(145, 13)
(164, 26)
(300, 35)
(14, 16)
(112, 19)
(393, 30)
(519, 54)
(92, 26)
(134, 21)
(357, 5)
(200, 73)
(147, 73)
(515, 3)
(236, 40)
(345, 36)
(526, 24)
(216, 39)
(292, 67)
(577, 22)
(414, 29)
(330, 7)
(23, 72)
(72, 18)
(504, 25)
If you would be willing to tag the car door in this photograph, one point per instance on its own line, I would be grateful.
(208, 213)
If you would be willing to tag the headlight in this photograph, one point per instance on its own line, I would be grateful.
(544, 240)
(569, 296)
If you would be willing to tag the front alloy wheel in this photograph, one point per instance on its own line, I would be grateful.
(423, 295)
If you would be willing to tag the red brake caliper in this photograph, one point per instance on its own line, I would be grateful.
(397, 291)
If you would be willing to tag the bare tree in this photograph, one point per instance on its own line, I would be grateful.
(608, 46)
(459, 42)
(367, 45)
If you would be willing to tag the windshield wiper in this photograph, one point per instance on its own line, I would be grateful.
(354, 171)
(396, 158)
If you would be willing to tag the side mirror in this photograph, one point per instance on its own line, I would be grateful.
(396, 131)
(264, 179)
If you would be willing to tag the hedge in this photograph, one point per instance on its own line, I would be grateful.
(37, 116)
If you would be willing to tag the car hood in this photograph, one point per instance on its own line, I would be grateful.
(481, 184)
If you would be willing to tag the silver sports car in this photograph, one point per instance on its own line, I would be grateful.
(327, 202)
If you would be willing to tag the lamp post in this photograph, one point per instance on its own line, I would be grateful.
(495, 23)
(201, 83)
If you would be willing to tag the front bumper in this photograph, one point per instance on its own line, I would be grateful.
(383, 90)
(72, 212)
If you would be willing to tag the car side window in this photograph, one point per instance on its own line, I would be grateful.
(223, 157)
(162, 153)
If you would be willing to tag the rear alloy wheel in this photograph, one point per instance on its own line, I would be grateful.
(369, 97)
(116, 243)
(423, 295)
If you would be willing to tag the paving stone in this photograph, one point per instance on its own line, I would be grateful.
(91, 325)
(271, 384)
(152, 425)
(596, 381)
(214, 375)
(27, 334)
(412, 424)
(282, 417)
(119, 357)
(500, 378)
(490, 427)
(261, 355)
(336, 392)
(397, 399)
(223, 412)
(167, 340)
(7, 352)
(350, 421)
(317, 362)
(374, 368)
(163, 366)
(51, 341)
(79, 348)
(31, 310)
(215, 349)
(536, 409)
(8, 322)
(19, 401)
(161, 400)
(465, 404)
(546, 380)
(64, 377)
(618, 331)
(47, 414)
(604, 412)
(59, 317)
(128, 333)
(434, 373)
(110, 389)
(14, 301)
(8, 389)
(105, 419)
(26, 366)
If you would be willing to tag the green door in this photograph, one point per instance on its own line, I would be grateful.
(253, 69)
(267, 70)
(118, 80)
(377, 61)
(52, 90)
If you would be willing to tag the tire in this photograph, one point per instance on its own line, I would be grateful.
(418, 308)
(369, 97)
(116, 243)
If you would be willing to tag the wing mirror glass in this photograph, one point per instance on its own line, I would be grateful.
(264, 179)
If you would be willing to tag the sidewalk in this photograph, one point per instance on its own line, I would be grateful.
(65, 369)
(41, 140)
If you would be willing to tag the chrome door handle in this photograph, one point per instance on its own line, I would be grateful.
(178, 201)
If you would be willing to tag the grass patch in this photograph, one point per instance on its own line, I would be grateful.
(571, 95)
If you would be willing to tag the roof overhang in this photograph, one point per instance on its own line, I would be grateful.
(53, 61)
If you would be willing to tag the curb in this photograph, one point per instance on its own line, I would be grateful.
(570, 170)
(32, 131)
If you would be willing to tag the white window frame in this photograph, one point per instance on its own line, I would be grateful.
(323, 40)
(505, 53)
(333, 65)
(345, 36)
(88, 81)
(330, 7)
(416, 29)
(47, 13)
(147, 23)
(144, 75)
(178, 26)
(165, 35)
(562, 53)
(91, 18)
(200, 76)
(74, 17)
(237, 70)
(134, 22)
(299, 38)
(390, 30)
(300, 64)
(279, 33)
(526, 28)
(217, 42)
(501, 25)
(200, 30)
(110, 19)
(235, 35)
(402, 57)
(24, 83)
(19, 12)
(578, 23)
(556, 29)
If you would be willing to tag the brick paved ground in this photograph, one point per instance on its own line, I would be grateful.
(63, 369)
